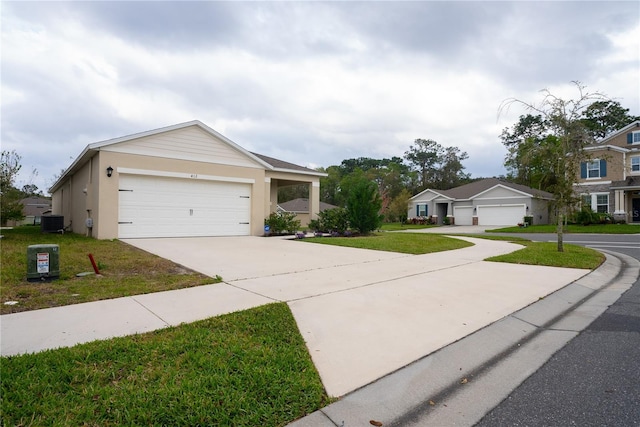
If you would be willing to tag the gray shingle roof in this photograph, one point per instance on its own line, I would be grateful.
(281, 164)
(632, 182)
(35, 206)
(472, 189)
(302, 205)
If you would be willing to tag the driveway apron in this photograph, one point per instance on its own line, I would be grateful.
(363, 313)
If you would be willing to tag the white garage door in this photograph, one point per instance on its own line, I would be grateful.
(463, 215)
(173, 207)
(501, 215)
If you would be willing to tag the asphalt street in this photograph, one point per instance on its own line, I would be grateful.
(595, 379)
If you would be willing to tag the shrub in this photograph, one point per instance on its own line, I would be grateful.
(331, 220)
(315, 224)
(421, 220)
(586, 216)
(363, 205)
(282, 222)
(528, 220)
(397, 210)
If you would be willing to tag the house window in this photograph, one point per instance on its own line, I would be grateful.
(421, 210)
(635, 164)
(602, 203)
(635, 137)
(593, 169)
(596, 202)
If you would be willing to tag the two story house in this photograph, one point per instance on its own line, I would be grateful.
(610, 180)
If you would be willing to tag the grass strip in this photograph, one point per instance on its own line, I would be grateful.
(247, 368)
(397, 226)
(546, 253)
(125, 270)
(407, 243)
(574, 228)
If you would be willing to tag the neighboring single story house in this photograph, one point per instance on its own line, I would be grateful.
(485, 202)
(179, 181)
(32, 208)
(300, 207)
(610, 181)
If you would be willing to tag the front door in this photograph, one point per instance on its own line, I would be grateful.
(635, 210)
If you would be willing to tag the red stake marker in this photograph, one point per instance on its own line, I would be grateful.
(93, 262)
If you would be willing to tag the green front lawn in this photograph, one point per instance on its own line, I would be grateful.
(533, 253)
(546, 253)
(125, 271)
(407, 243)
(397, 226)
(573, 228)
(243, 369)
(249, 368)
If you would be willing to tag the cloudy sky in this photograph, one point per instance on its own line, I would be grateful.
(312, 83)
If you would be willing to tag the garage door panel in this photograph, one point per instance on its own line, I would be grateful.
(173, 207)
(463, 215)
(500, 215)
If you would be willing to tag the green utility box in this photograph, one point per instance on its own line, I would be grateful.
(43, 262)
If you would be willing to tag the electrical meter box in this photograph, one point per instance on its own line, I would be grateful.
(43, 262)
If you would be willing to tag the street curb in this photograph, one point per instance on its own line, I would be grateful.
(518, 344)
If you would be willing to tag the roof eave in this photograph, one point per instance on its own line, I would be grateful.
(628, 127)
(312, 173)
(86, 154)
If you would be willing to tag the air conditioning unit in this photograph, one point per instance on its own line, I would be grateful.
(52, 224)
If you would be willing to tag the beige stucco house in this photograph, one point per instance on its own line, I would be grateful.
(179, 181)
(610, 180)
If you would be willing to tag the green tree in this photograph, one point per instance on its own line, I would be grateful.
(425, 156)
(10, 206)
(437, 166)
(363, 205)
(523, 141)
(604, 117)
(561, 150)
(398, 209)
(451, 173)
(30, 190)
(330, 186)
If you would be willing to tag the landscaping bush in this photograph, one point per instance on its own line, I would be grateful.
(364, 204)
(528, 221)
(586, 216)
(421, 220)
(331, 221)
(284, 222)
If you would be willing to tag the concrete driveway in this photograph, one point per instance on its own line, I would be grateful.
(362, 313)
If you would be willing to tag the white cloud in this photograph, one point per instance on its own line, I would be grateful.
(311, 83)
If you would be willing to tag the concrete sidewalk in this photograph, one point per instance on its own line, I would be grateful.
(363, 314)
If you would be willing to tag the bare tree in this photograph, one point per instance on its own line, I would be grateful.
(562, 149)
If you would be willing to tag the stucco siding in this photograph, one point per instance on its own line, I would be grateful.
(539, 210)
(109, 188)
(191, 144)
(503, 201)
(497, 193)
(76, 200)
(175, 155)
